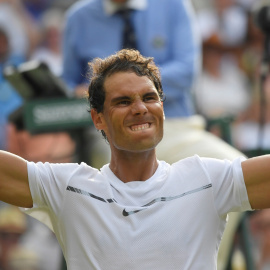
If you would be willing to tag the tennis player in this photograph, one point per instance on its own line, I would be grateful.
(137, 212)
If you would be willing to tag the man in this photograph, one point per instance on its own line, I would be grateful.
(136, 212)
(166, 30)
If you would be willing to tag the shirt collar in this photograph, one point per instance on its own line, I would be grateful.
(111, 8)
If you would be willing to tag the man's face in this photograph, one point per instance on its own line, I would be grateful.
(133, 112)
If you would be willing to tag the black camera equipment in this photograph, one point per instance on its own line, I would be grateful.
(33, 80)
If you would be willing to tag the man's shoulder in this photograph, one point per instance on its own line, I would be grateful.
(195, 159)
(190, 166)
(70, 169)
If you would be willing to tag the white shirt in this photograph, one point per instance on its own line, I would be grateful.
(173, 220)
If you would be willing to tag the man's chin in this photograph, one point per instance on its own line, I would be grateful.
(139, 146)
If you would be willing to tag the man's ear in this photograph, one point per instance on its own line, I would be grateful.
(97, 119)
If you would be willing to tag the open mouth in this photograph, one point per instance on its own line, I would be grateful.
(140, 127)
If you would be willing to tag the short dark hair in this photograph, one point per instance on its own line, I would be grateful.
(126, 60)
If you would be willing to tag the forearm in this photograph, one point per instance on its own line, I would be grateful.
(14, 187)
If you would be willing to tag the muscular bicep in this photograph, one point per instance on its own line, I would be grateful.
(14, 186)
(256, 173)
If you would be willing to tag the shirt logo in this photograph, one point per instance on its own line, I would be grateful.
(126, 213)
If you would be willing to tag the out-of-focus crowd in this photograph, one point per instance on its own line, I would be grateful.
(227, 93)
(233, 95)
(29, 30)
(230, 85)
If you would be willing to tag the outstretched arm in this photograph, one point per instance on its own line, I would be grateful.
(14, 186)
(257, 178)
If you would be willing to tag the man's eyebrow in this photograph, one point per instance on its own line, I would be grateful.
(154, 93)
(116, 99)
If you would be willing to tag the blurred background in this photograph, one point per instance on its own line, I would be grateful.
(232, 93)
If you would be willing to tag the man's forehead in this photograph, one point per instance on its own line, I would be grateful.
(128, 84)
(126, 78)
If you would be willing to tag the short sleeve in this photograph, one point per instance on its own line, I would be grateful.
(48, 183)
(230, 193)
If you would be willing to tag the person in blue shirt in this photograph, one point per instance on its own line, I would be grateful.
(164, 30)
(10, 100)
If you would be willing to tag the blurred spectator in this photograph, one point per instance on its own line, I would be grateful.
(51, 147)
(50, 49)
(247, 4)
(44, 147)
(23, 259)
(260, 228)
(10, 100)
(12, 226)
(37, 7)
(223, 90)
(44, 254)
(201, 4)
(63, 4)
(252, 52)
(226, 18)
(54, 147)
(19, 25)
(249, 134)
(42, 242)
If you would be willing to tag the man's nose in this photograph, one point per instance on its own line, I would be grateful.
(139, 108)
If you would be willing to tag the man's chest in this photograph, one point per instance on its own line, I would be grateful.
(166, 229)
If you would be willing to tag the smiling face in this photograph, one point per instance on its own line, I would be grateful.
(132, 117)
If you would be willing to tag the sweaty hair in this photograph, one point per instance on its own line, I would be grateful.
(126, 60)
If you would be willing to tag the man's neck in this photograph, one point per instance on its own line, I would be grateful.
(134, 167)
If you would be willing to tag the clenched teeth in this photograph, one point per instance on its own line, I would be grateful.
(140, 127)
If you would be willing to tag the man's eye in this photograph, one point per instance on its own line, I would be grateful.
(124, 102)
(150, 98)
